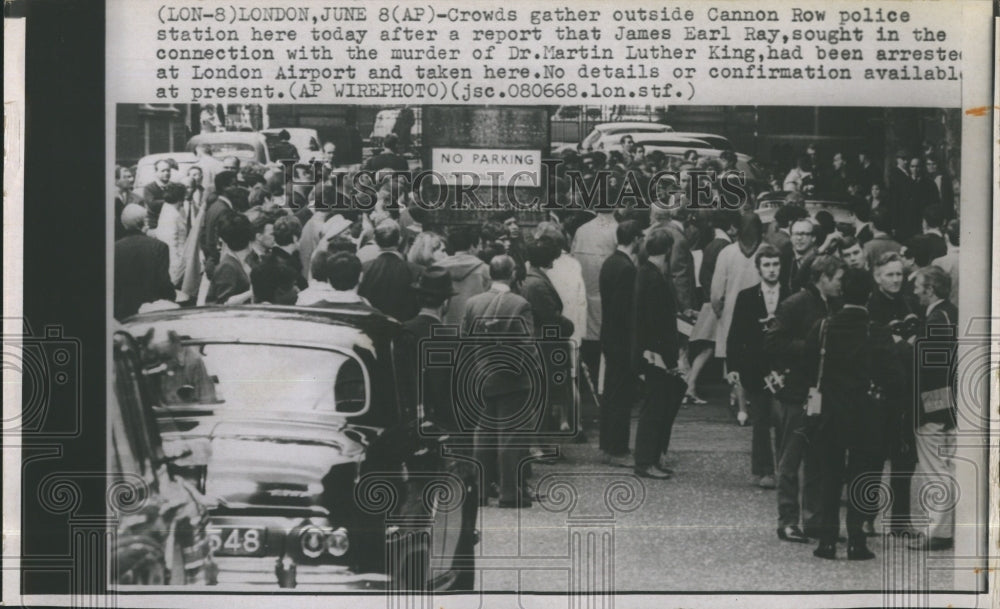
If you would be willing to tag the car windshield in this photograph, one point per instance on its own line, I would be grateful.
(253, 378)
(239, 150)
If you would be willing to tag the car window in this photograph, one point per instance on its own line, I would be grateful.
(239, 150)
(255, 378)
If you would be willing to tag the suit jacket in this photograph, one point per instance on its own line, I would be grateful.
(655, 316)
(794, 273)
(230, 279)
(865, 235)
(209, 235)
(387, 284)
(546, 306)
(709, 256)
(946, 193)
(784, 341)
(858, 353)
(496, 313)
(938, 334)
(152, 197)
(293, 262)
(617, 283)
(142, 273)
(745, 345)
(682, 269)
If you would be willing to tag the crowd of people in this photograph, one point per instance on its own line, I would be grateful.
(817, 324)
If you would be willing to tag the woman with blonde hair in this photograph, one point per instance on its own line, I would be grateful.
(427, 248)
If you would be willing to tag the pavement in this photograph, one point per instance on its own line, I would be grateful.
(707, 529)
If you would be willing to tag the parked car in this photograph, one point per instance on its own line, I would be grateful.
(248, 146)
(306, 141)
(718, 142)
(608, 135)
(161, 531)
(756, 176)
(769, 202)
(145, 170)
(299, 420)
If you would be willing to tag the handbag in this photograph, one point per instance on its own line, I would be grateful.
(814, 401)
(936, 400)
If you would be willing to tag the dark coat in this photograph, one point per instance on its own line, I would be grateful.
(908, 204)
(617, 285)
(709, 256)
(546, 306)
(433, 390)
(682, 269)
(387, 284)
(208, 237)
(794, 274)
(152, 198)
(865, 235)
(496, 313)
(858, 353)
(938, 335)
(655, 316)
(388, 160)
(784, 341)
(293, 261)
(230, 279)
(142, 273)
(745, 344)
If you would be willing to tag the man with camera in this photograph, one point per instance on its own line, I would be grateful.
(656, 346)
(849, 359)
(784, 345)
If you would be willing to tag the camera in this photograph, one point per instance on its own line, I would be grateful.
(906, 327)
(499, 357)
(49, 367)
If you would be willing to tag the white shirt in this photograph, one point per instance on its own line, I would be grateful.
(771, 295)
(318, 292)
(566, 276)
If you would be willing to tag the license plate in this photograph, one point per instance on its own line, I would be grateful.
(229, 541)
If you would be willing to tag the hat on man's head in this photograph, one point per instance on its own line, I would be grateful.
(133, 216)
(435, 281)
(335, 225)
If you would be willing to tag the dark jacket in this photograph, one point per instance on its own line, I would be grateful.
(152, 198)
(682, 269)
(546, 306)
(230, 279)
(617, 285)
(387, 284)
(292, 261)
(494, 313)
(655, 316)
(794, 274)
(388, 160)
(745, 344)
(142, 273)
(934, 371)
(709, 256)
(208, 237)
(432, 383)
(784, 342)
(859, 353)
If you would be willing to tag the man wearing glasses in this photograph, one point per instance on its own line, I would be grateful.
(795, 263)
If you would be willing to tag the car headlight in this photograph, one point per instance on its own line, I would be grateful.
(311, 541)
(337, 542)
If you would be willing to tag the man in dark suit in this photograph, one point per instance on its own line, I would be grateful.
(943, 184)
(387, 280)
(142, 265)
(936, 414)
(505, 389)
(152, 193)
(390, 158)
(784, 342)
(434, 290)
(209, 235)
(795, 264)
(655, 349)
(231, 281)
(850, 359)
(754, 311)
(617, 285)
(917, 192)
(933, 225)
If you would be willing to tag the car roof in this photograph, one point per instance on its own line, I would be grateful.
(180, 157)
(345, 325)
(631, 125)
(228, 136)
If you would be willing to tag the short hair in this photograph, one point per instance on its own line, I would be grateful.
(174, 192)
(751, 227)
(806, 220)
(387, 233)
(502, 267)
(882, 219)
(552, 231)
(156, 165)
(463, 237)
(723, 219)
(224, 180)
(317, 266)
(887, 258)
(937, 278)
(856, 286)
(921, 249)
(847, 243)
(862, 210)
(342, 270)
(391, 141)
(423, 247)
(341, 243)
(627, 232)
(542, 251)
(286, 229)
(825, 221)
(953, 231)
(786, 214)
(235, 231)
(659, 242)
(270, 276)
(934, 215)
(824, 265)
(766, 250)
(493, 230)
